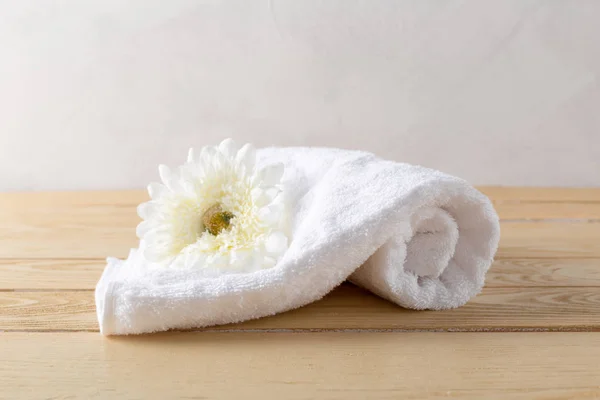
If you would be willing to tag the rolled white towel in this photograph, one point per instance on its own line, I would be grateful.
(415, 236)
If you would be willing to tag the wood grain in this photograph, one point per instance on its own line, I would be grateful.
(111, 197)
(350, 345)
(69, 200)
(348, 307)
(89, 240)
(563, 212)
(47, 311)
(94, 225)
(541, 194)
(549, 240)
(335, 366)
(34, 274)
(68, 224)
(76, 199)
(545, 272)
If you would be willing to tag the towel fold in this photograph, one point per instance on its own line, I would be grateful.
(415, 236)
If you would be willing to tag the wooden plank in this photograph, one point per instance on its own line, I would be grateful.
(544, 273)
(69, 200)
(116, 209)
(541, 194)
(332, 365)
(348, 307)
(549, 240)
(132, 197)
(99, 224)
(97, 238)
(41, 311)
(24, 274)
(566, 212)
(84, 274)
(503, 309)
(68, 225)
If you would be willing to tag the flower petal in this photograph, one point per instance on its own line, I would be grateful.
(269, 262)
(272, 193)
(271, 214)
(194, 258)
(157, 239)
(193, 155)
(262, 197)
(246, 157)
(143, 228)
(206, 154)
(218, 260)
(228, 148)
(240, 257)
(186, 178)
(154, 254)
(147, 210)
(157, 190)
(169, 178)
(276, 243)
(165, 174)
(271, 175)
(259, 197)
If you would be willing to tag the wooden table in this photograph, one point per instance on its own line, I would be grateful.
(532, 334)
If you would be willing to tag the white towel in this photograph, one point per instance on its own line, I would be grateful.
(417, 237)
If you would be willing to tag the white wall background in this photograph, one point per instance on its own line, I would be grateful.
(94, 94)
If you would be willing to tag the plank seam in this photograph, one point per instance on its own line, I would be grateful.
(59, 290)
(572, 329)
(498, 257)
(564, 258)
(557, 202)
(552, 220)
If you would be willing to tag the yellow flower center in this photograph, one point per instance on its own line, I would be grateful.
(216, 220)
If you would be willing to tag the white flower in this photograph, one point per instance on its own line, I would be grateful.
(218, 211)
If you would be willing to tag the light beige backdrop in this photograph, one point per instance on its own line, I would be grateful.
(94, 94)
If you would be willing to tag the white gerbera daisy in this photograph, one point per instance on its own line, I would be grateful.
(218, 211)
